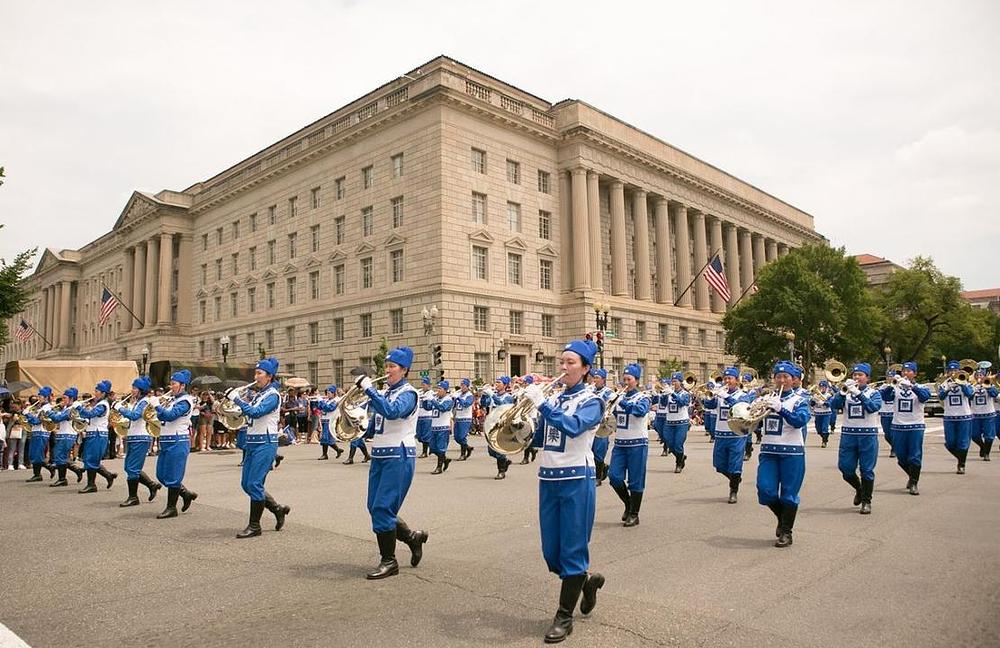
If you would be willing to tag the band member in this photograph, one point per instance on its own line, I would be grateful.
(600, 445)
(498, 396)
(628, 458)
(394, 461)
(710, 411)
(463, 418)
(674, 404)
(752, 393)
(782, 464)
(821, 410)
(328, 407)
(957, 401)
(908, 398)
(984, 415)
(530, 452)
(137, 443)
(727, 455)
(859, 434)
(885, 416)
(440, 407)
(567, 492)
(359, 443)
(65, 437)
(97, 437)
(174, 444)
(264, 413)
(424, 416)
(39, 435)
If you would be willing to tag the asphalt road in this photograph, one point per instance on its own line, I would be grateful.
(921, 571)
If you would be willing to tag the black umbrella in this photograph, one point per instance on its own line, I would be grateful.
(18, 385)
(229, 384)
(206, 381)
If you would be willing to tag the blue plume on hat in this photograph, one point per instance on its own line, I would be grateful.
(104, 386)
(466, 382)
(45, 391)
(953, 364)
(72, 392)
(600, 373)
(425, 380)
(403, 356)
(586, 349)
(529, 379)
(824, 383)
(183, 376)
(504, 380)
(269, 365)
(142, 383)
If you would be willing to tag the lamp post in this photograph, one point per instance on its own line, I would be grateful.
(430, 320)
(260, 350)
(791, 345)
(145, 359)
(944, 365)
(601, 311)
(888, 358)
(224, 341)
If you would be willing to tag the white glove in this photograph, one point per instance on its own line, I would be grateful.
(233, 393)
(853, 389)
(721, 392)
(850, 382)
(535, 394)
(774, 402)
(670, 390)
(905, 383)
(363, 382)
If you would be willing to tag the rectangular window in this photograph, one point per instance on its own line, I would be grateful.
(702, 338)
(204, 274)
(516, 321)
(664, 330)
(290, 290)
(338, 187)
(314, 333)
(252, 301)
(615, 326)
(201, 311)
(338, 372)
(204, 242)
(544, 182)
(217, 303)
(544, 225)
(201, 348)
(514, 216)
(367, 177)
(720, 340)
(548, 326)
(338, 229)
(479, 161)
(366, 325)
(481, 318)
(253, 223)
(251, 343)
(397, 165)
(233, 304)
(338, 329)
(235, 262)
(640, 331)
(314, 284)
(292, 238)
(272, 217)
(478, 208)
(253, 258)
(481, 366)
(480, 265)
(218, 269)
(218, 236)
(269, 289)
(338, 279)
(684, 335)
(396, 264)
(290, 368)
(514, 269)
(313, 371)
(513, 172)
(396, 320)
(270, 252)
(314, 238)
(236, 230)
(366, 272)
(293, 206)
(290, 337)
(314, 197)
(397, 211)
(549, 365)
(616, 366)
(367, 222)
(268, 340)
(545, 274)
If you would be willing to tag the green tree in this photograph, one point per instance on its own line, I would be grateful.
(379, 358)
(13, 296)
(668, 367)
(815, 292)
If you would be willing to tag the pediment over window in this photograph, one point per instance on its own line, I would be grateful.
(268, 275)
(216, 289)
(251, 280)
(201, 294)
(364, 248)
(337, 257)
(290, 269)
(312, 262)
(482, 236)
(394, 241)
(234, 285)
(547, 251)
(516, 244)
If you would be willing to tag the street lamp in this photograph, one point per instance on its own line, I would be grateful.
(888, 358)
(145, 359)
(260, 350)
(601, 320)
(224, 341)
(791, 345)
(944, 364)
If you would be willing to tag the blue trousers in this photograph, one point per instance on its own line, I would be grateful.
(241, 439)
(566, 518)
(39, 442)
(424, 430)
(858, 450)
(822, 424)
(256, 464)
(710, 424)
(909, 446)
(629, 462)
(983, 429)
(439, 440)
(727, 454)
(136, 448)
(462, 429)
(674, 435)
(659, 422)
(172, 461)
(886, 422)
(389, 480)
(94, 449)
(957, 434)
(833, 419)
(357, 443)
(779, 478)
(600, 448)
(60, 453)
(325, 437)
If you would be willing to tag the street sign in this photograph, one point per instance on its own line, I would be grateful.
(610, 335)
(425, 373)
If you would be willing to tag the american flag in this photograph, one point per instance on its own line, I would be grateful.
(716, 277)
(23, 331)
(108, 306)
(754, 289)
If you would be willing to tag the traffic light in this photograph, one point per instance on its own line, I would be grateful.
(600, 341)
(590, 337)
(436, 354)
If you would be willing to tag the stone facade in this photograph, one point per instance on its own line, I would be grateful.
(443, 187)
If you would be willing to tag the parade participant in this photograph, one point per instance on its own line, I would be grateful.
(567, 493)
(137, 443)
(631, 450)
(819, 402)
(328, 407)
(908, 398)
(730, 447)
(710, 409)
(676, 419)
(782, 464)
(859, 434)
(393, 461)
(440, 407)
(463, 418)
(601, 443)
(97, 437)
(530, 451)
(263, 413)
(752, 393)
(175, 417)
(424, 417)
(65, 437)
(39, 435)
(885, 415)
(984, 415)
(498, 397)
(957, 401)
(359, 443)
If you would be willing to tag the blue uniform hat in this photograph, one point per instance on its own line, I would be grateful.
(104, 386)
(600, 373)
(586, 349)
(270, 365)
(529, 379)
(677, 376)
(953, 364)
(332, 389)
(863, 367)
(183, 376)
(504, 380)
(633, 370)
(731, 371)
(45, 391)
(912, 366)
(788, 368)
(747, 377)
(466, 382)
(824, 383)
(142, 383)
(425, 380)
(71, 392)
(445, 385)
(403, 356)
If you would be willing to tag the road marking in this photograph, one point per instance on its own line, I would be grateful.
(10, 640)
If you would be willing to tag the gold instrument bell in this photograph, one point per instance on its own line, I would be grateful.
(835, 371)
(352, 413)
(510, 428)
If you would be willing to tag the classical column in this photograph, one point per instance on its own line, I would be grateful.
(56, 301)
(619, 257)
(44, 324)
(581, 239)
(746, 259)
(64, 314)
(682, 237)
(715, 238)
(139, 282)
(664, 271)
(758, 253)
(166, 268)
(643, 283)
(594, 231)
(771, 252)
(733, 262)
(782, 249)
(185, 296)
(152, 261)
(127, 288)
(700, 260)
(565, 231)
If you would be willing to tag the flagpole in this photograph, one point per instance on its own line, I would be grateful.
(122, 304)
(710, 259)
(44, 339)
(744, 294)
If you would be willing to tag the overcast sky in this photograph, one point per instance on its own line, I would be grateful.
(882, 119)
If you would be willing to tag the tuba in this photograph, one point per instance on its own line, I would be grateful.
(119, 423)
(510, 427)
(229, 413)
(690, 380)
(835, 371)
(353, 408)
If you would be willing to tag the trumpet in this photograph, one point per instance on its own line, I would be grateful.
(509, 428)
(353, 419)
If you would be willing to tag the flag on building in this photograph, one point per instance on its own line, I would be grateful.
(716, 277)
(23, 331)
(754, 289)
(108, 306)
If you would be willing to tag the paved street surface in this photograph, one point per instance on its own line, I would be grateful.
(920, 571)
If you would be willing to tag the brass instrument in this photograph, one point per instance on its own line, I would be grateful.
(353, 408)
(896, 368)
(754, 377)
(153, 423)
(716, 377)
(76, 421)
(690, 380)
(119, 423)
(510, 427)
(744, 417)
(47, 423)
(229, 413)
(969, 366)
(835, 371)
(609, 423)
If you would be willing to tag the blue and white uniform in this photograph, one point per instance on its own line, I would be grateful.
(175, 444)
(957, 402)
(328, 409)
(39, 442)
(424, 416)
(138, 440)
(440, 408)
(393, 452)
(885, 416)
(96, 433)
(65, 434)
(631, 449)
(710, 409)
(673, 407)
(730, 446)
(263, 411)
(859, 435)
(822, 412)
(908, 423)
(984, 418)
(463, 416)
(601, 444)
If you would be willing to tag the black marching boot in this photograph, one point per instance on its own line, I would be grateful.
(962, 454)
(338, 450)
(437, 469)
(867, 487)
(133, 490)
(501, 469)
(854, 481)
(387, 566)
(253, 527)
(90, 487)
(187, 497)
(108, 475)
(679, 465)
(593, 583)
(51, 468)
(76, 471)
(171, 510)
(987, 447)
(599, 471)
(748, 451)
(734, 487)
(277, 460)
(569, 594)
(413, 539)
(324, 456)
(350, 456)
(37, 473)
(915, 473)
(364, 453)
(787, 522)
(423, 450)
(278, 510)
(153, 486)
(636, 504)
(622, 491)
(61, 481)
(776, 509)
(525, 457)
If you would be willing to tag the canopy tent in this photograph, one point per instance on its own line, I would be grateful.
(160, 371)
(82, 374)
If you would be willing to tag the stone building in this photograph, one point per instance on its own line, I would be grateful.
(444, 187)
